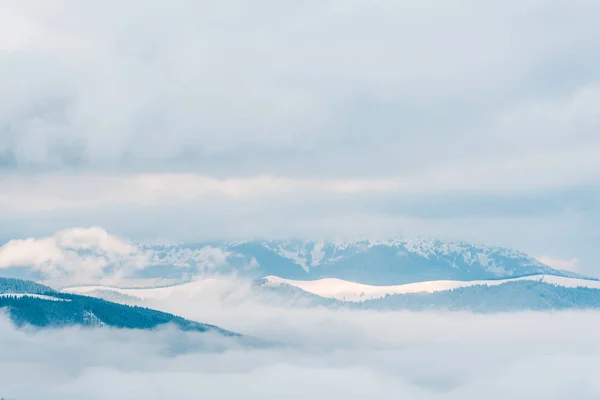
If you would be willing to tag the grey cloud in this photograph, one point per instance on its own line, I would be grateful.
(294, 88)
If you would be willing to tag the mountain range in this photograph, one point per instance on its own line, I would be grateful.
(374, 262)
(511, 296)
(545, 292)
(400, 273)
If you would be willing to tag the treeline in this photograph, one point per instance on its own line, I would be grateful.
(11, 285)
(510, 296)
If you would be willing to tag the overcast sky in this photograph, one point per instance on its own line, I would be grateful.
(193, 119)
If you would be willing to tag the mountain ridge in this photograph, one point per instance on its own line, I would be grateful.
(32, 304)
(393, 261)
(537, 293)
(377, 262)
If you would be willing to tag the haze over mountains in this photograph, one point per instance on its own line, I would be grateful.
(374, 262)
(401, 273)
(31, 304)
(92, 253)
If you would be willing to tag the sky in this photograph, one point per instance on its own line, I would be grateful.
(193, 120)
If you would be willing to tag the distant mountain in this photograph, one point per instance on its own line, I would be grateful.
(530, 293)
(513, 296)
(358, 292)
(507, 297)
(29, 303)
(375, 262)
(385, 262)
(10, 285)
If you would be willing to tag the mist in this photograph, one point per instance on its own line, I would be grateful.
(318, 353)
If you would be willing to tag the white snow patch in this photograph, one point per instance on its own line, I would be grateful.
(89, 318)
(205, 258)
(296, 258)
(483, 259)
(420, 247)
(317, 254)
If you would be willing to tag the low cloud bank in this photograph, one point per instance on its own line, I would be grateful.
(92, 255)
(80, 253)
(568, 265)
(325, 354)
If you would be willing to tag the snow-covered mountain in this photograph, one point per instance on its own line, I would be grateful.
(92, 256)
(402, 273)
(374, 262)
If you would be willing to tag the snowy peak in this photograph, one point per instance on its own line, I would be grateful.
(312, 254)
(412, 256)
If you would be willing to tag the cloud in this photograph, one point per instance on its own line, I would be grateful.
(284, 93)
(81, 253)
(568, 265)
(92, 256)
(491, 179)
(327, 354)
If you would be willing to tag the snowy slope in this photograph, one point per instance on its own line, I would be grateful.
(351, 291)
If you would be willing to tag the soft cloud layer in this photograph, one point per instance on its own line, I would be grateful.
(72, 192)
(350, 355)
(81, 253)
(569, 265)
(358, 88)
(92, 255)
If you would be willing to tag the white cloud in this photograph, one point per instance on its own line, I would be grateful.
(93, 256)
(568, 265)
(326, 354)
(77, 253)
(93, 238)
(559, 169)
